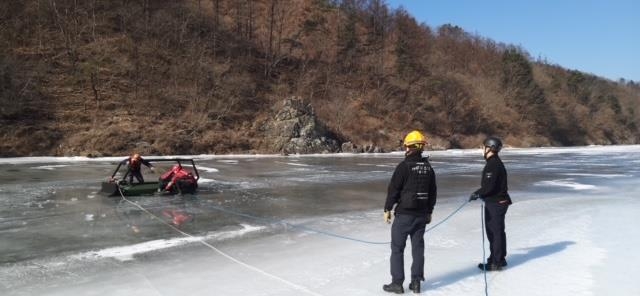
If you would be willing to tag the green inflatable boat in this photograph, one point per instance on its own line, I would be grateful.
(167, 183)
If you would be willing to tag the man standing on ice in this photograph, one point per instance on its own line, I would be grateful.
(413, 189)
(135, 162)
(493, 192)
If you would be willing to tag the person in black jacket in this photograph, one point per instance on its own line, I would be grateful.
(413, 191)
(493, 192)
(135, 162)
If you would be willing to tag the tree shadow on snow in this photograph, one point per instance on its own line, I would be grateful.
(513, 260)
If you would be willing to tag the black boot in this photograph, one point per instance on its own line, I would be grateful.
(502, 263)
(490, 266)
(415, 286)
(393, 288)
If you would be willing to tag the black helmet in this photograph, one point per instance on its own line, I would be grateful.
(494, 143)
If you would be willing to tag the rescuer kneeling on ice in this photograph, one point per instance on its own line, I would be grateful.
(413, 190)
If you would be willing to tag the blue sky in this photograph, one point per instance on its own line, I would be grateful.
(598, 37)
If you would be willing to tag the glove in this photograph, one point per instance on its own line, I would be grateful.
(428, 218)
(474, 196)
(387, 216)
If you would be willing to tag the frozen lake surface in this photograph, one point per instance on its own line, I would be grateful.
(312, 225)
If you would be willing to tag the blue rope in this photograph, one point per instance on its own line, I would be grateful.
(486, 286)
(484, 257)
(448, 217)
(274, 221)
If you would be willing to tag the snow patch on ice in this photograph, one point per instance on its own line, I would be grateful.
(126, 253)
(295, 164)
(609, 176)
(206, 180)
(566, 183)
(207, 169)
(50, 167)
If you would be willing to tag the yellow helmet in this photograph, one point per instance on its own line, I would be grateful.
(415, 138)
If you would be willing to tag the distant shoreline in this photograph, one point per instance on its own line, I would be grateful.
(550, 150)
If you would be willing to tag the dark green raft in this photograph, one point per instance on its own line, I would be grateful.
(116, 187)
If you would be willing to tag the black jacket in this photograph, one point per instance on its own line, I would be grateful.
(136, 168)
(494, 181)
(412, 187)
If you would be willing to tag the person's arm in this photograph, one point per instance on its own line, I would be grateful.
(395, 187)
(146, 162)
(433, 193)
(173, 181)
(167, 176)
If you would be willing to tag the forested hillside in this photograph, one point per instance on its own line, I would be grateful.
(206, 76)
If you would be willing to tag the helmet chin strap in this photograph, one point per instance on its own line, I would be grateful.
(411, 151)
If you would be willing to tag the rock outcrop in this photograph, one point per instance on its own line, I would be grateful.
(348, 147)
(295, 129)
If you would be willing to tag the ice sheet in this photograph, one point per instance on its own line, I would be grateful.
(572, 229)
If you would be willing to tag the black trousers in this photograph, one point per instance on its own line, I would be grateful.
(137, 174)
(494, 214)
(403, 226)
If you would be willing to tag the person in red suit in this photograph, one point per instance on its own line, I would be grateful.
(171, 181)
